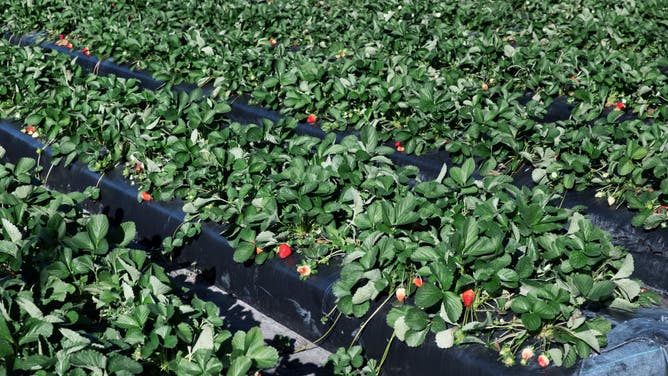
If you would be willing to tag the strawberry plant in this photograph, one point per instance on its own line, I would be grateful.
(77, 297)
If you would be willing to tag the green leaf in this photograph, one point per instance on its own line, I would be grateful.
(601, 290)
(416, 338)
(29, 307)
(470, 230)
(369, 137)
(509, 50)
(546, 310)
(626, 269)
(400, 327)
(462, 174)
(445, 339)
(556, 355)
(205, 340)
(9, 248)
(36, 329)
(589, 337)
(264, 357)
(452, 308)
(577, 259)
(240, 366)
(623, 304)
(525, 267)
(89, 359)
(243, 252)
(531, 321)
(24, 165)
(583, 283)
(424, 254)
(128, 231)
(509, 276)
(12, 231)
(97, 227)
(428, 295)
(416, 319)
(520, 304)
(365, 293)
(630, 288)
(121, 364)
(639, 153)
(625, 168)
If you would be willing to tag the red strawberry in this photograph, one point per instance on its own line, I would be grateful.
(397, 144)
(284, 251)
(69, 45)
(113, 5)
(272, 41)
(467, 297)
(30, 129)
(543, 360)
(62, 36)
(620, 105)
(146, 196)
(85, 51)
(418, 282)
(485, 86)
(311, 119)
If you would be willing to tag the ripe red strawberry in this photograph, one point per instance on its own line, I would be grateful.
(397, 144)
(467, 297)
(418, 282)
(30, 129)
(620, 105)
(272, 41)
(69, 45)
(146, 196)
(85, 51)
(543, 360)
(284, 251)
(311, 119)
(62, 36)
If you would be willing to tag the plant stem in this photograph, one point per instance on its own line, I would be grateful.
(366, 322)
(387, 350)
(312, 344)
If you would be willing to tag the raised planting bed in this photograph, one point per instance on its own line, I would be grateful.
(606, 170)
(410, 74)
(275, 287)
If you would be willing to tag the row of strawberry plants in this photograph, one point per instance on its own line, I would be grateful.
(604, 154)
(426, 73)
(503, 249)
(76, 297)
